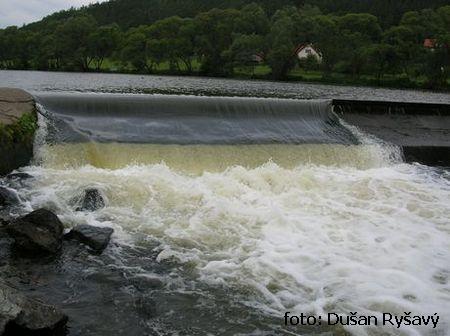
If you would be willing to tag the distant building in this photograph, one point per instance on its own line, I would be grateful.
(258, 58)
(305, 50)
(429, 43)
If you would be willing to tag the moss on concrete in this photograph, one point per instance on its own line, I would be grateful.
(22, 131)
(18, 123)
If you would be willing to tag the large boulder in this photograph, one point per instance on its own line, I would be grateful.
(39, 231)
(92, 200)
(23, 314)
(95, 237)
(8, 197)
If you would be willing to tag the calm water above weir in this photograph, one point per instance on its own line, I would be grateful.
(242, 210)
(52, 81)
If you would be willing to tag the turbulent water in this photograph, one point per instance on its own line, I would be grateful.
(301, 226)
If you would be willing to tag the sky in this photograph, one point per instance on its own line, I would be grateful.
(18, 12)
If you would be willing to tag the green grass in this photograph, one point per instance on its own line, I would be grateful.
(109, 65)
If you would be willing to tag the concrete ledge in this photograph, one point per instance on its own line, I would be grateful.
(422, 130)
(17, 127)
(14, 103)
(388, 107)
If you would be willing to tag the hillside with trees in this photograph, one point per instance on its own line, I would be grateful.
(355, 45)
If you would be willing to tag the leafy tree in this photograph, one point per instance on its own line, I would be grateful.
(174, 41)
(383, 58)
(103, 42)
(358, 32)
(436, 62)
(215, 29)
(252, 20)
(365, 24)
(243, 50)
(328, 40)
(185, 44)
(282, 40)
(74, 36)
(403, 40)
(134, 49)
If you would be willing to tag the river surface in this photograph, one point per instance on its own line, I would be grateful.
(219, 236)
(60, 81)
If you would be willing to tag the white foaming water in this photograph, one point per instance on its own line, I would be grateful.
(311, 239)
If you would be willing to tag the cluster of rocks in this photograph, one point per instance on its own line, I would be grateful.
(42, 233)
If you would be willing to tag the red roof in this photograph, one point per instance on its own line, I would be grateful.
(429, 43)
(302, 46)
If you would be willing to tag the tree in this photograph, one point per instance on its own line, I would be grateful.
(328, 40)
(252, 20)
(365, 24)
(357, 32)
(403, 40)
(103, 42)
(73, 37)
(185, 44)
(244, 49)
(383, 58)
(436, 63)
(134, 50)
(174, 40)
(282, 41)
(215, 29)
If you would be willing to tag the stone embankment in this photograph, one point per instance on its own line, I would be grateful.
(17, 127)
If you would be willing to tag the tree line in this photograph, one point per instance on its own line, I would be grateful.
(221, 40)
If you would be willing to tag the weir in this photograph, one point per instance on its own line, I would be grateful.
(203, 132)
(188, 120)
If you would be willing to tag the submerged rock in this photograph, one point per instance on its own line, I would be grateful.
(92, 200)
(8, 197)
(19, 176)
(22, 314)
(96, 238)
(39, 231)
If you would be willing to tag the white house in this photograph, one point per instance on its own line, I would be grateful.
(305, 50)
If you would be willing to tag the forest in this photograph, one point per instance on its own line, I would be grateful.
(402, 43)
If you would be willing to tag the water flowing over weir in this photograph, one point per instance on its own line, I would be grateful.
(199, 133)
(188, 120)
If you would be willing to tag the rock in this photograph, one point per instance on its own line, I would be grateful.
(8, 197)
(146, 281)
(19, 312)
(19, 176)
(39, 231)
(14, 103)
(92, 200)
(96, 238)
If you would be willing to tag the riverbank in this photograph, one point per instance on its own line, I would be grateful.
(17, 128)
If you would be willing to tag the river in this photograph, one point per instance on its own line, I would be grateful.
(230, 218)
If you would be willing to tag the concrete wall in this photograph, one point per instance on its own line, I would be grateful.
(17, 126)
(422, 130)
